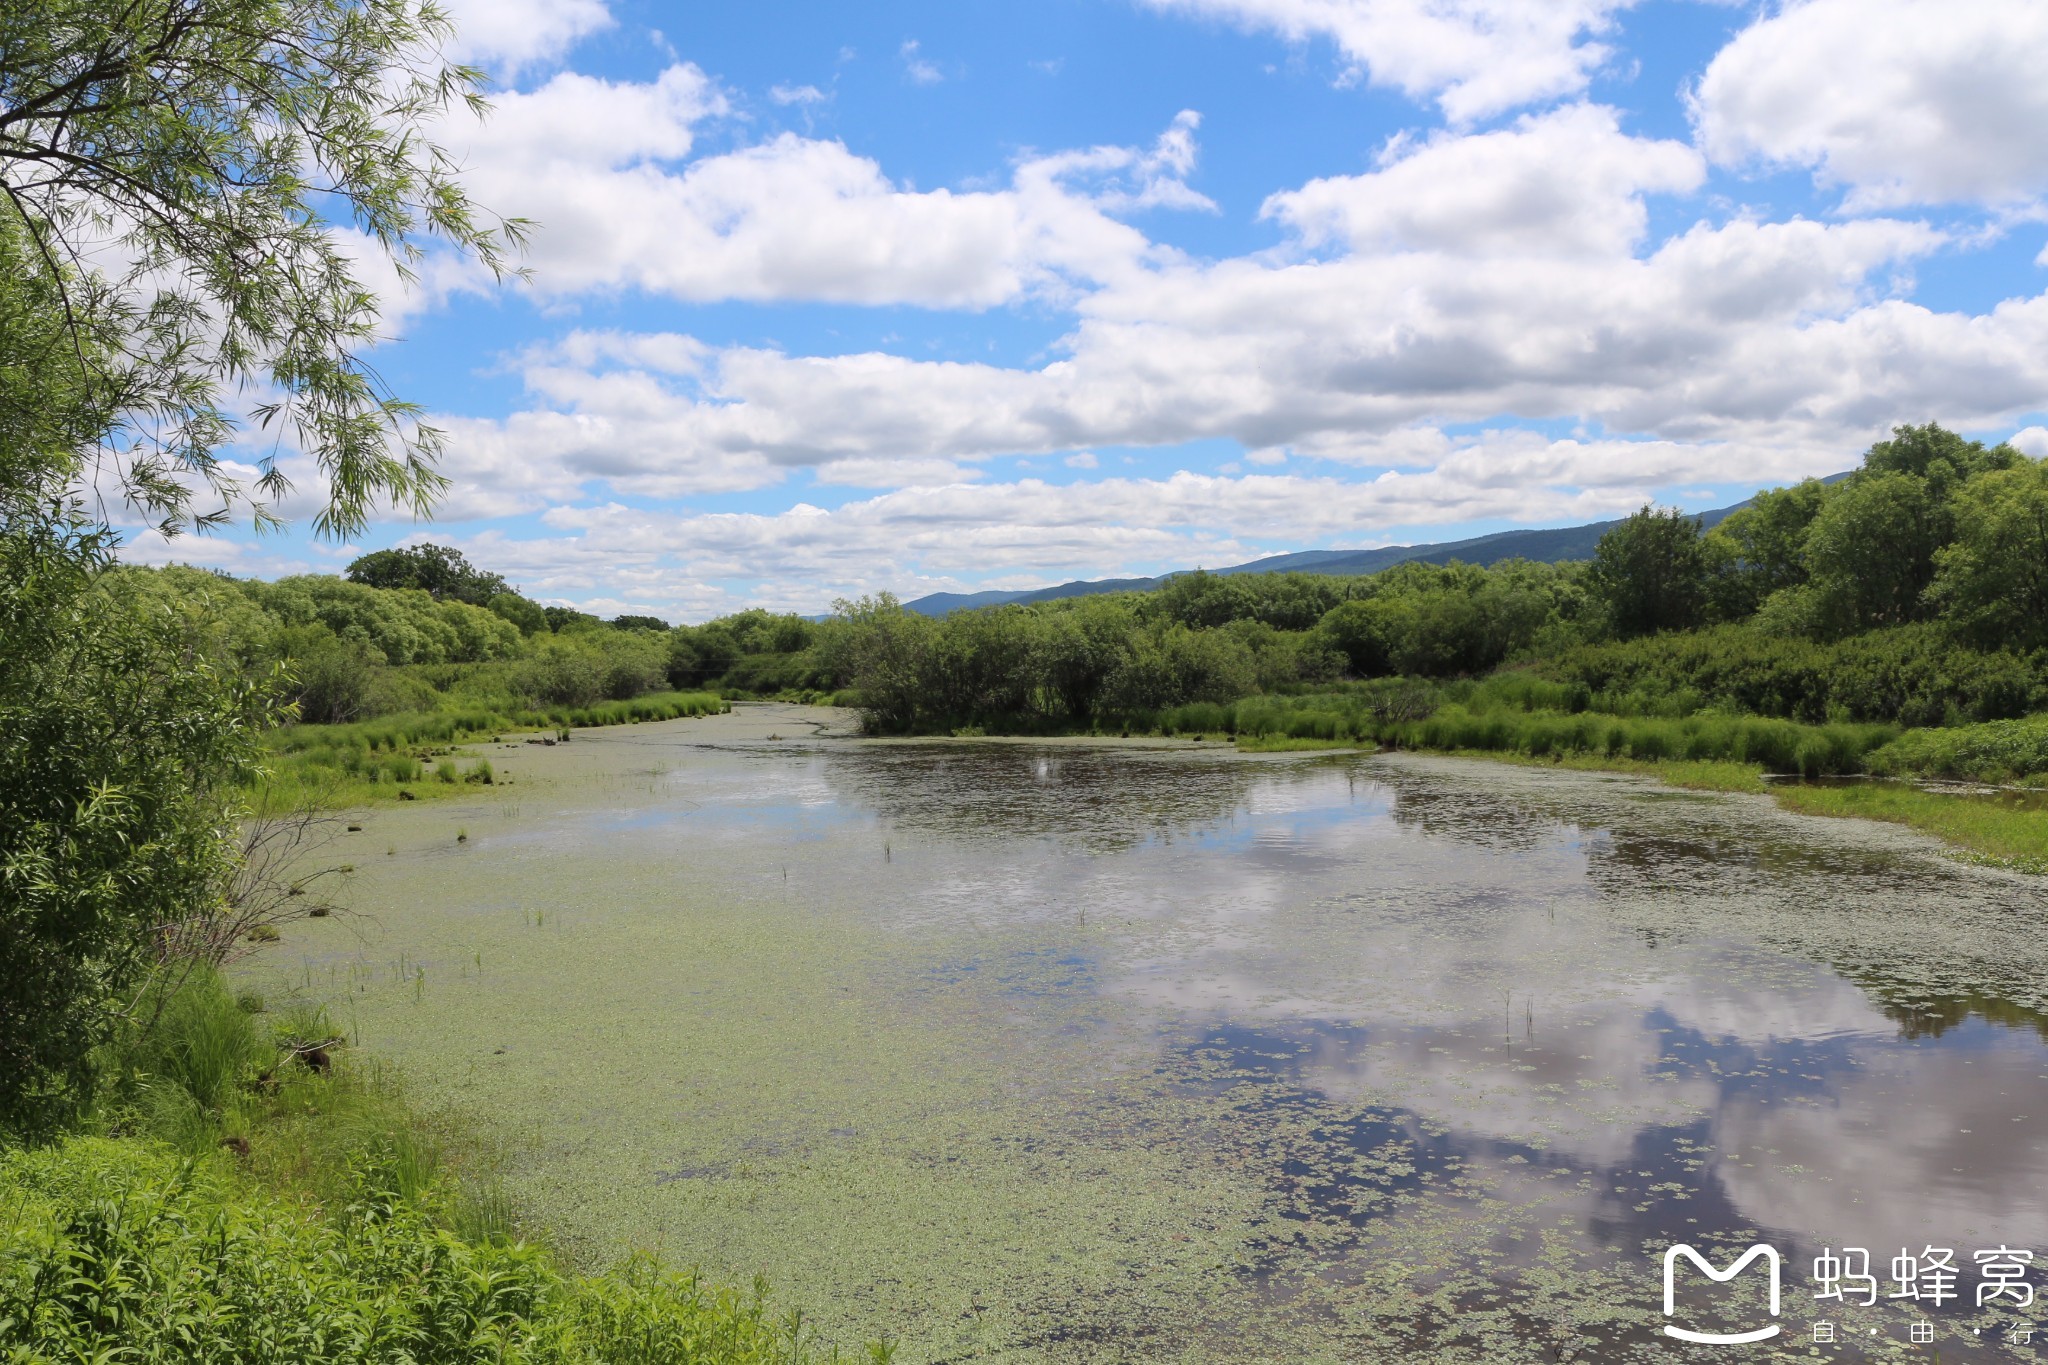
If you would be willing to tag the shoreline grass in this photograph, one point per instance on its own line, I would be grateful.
(1706, 775)
(1290, 744)
(245, 1190)
(2005, 829)
(418, 756)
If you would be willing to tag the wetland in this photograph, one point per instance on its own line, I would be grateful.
(1083, 1050)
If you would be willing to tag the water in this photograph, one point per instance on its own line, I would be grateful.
(1069, 1053)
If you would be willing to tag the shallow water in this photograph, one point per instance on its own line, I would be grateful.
(1070, 1053)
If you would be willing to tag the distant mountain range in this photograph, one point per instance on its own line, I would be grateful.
(1550, 547)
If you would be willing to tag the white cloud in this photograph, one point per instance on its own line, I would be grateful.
(1766, 336)
(1084, 459)
(1897, 101)
(602, 167)
(797, 94)
(513, 34)
(917, 68)
(1473, 57)
(1566, 182)
(2033, 441)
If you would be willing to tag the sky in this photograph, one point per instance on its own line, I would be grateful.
(834, 299)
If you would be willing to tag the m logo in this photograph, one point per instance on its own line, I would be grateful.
(1768, 1253)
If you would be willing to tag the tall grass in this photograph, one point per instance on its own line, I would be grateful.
(2005, 827)
(259, 1205)
(1505, 716)
(1780, 746)
(376, 759)
(118, 1250)
(1993, 751)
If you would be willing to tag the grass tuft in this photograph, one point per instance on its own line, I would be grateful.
(2006, 828)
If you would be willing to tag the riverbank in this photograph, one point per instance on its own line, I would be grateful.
(247, 1187)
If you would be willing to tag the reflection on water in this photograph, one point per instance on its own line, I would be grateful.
(1686, 1081)
(1482, 1040)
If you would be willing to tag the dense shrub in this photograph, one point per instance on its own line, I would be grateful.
(1997, 751)
(1915, 675)
(124, 747)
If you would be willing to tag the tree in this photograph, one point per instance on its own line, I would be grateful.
(1993, 580)
(1870, 551)
(1938, 455)
(125, 747)
(529, 616)
(438, 570)
(1761, 549)
(564, 620)
(172, 177)
(1650, 572)
(210, 147)
(630, 622)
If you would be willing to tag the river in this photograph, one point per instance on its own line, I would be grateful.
(1072, 1052)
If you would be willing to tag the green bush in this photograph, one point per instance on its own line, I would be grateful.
(122, 747)
(126, 1247)
(1997, 751)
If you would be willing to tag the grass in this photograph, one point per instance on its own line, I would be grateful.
(250, 1194)
(1512, 724)
(1990, 751)
(1779, 746)
(2007, 828)
(1288, 744)
(413, 757)
(1693, 774)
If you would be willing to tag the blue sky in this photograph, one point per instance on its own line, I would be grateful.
(832, 299)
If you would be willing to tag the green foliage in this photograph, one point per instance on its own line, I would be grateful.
(221, 144)
(398, 626)
(1996, 751)
(440, 571)
(562, 620)
(342, 1228)
(49, 407)
(1530, 718)
(2006, 828)
(114, 1244)
(125, 750)
(1448, 620)
(376, 759)
(1284, 601)
(1650, 573)
(1779, 746)
(1760, 549)
(1914, 675)
(1870, 551)
(529, 616)
(1939, 456)
(1992, 578)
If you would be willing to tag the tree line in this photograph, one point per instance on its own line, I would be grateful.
(1913, 590)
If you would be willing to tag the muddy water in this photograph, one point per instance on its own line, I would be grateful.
(1059, 1052)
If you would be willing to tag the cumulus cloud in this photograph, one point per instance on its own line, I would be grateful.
(1764, 338)
(1896, 101)
(797, 94)
(513, 34)
(1472, 57)
(1373, 363)
(605, 170)
(1567, 182)
(1018, 533)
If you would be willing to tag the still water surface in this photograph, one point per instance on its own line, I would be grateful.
(1054, 1052)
